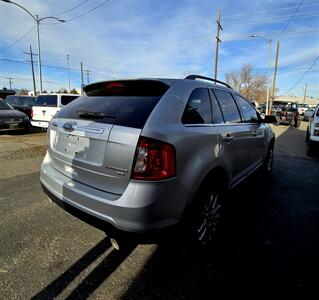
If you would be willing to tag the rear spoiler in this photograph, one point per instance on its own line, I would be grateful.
(133, 87)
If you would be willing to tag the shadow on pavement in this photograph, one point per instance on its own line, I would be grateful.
(93, 280)
(269, 240)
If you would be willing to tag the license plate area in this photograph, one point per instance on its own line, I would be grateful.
(12, 121)
(81, 148)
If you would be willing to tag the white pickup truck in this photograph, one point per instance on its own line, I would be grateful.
(46, 106)
(312, 137)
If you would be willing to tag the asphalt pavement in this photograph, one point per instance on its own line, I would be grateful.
(269, 237)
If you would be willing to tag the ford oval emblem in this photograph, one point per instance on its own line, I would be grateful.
(69, 126)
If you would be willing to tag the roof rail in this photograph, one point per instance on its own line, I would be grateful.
(194, 77)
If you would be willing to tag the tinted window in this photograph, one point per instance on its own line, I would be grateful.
(125, 111)
(228, 106)
(20, 101)
(11, 99)
(125, 103)
(29, 101)
(249, 114)
(5, 106)
(198, 108)
(46, 100)
(217, 114)
(67, 99)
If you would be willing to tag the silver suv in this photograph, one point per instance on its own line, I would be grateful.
(147, 154)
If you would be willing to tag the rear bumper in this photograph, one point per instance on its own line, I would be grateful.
(19, 126)
(143, 207)
(42, 124)
(314, 139)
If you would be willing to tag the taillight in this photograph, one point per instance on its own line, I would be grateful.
(154, 160)
(32, 113)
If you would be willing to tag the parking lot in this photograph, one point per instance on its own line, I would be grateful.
(270, 236)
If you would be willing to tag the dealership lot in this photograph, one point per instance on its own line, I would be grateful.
(270, 236)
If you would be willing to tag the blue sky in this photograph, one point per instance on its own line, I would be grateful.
(167, 38)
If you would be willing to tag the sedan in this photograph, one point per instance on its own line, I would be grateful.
(11, 119)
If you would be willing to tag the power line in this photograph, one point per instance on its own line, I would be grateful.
(89, 11)
(304, 74)
(290, 20)
(18, 40)
(68, 10)
(48, 66)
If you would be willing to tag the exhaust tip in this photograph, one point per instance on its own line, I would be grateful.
(115, 244)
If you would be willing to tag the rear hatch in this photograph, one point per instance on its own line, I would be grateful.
(45, 108)
(93, 139)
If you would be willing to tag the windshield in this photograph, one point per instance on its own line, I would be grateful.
(5, 106)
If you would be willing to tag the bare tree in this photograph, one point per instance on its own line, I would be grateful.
(23, 92)
(251, 86)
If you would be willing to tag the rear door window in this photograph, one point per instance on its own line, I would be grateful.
(46, 100)
(198, 108)
(248, 112)
(125, 103)
(67, 99)
(217, 113)
(228, 106)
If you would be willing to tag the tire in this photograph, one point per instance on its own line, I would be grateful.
(266, 167)
(207, 213)
(310, 147)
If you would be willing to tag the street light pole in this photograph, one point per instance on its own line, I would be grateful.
(37, 21)
(269, 67)
(39, 52)
(68, 60)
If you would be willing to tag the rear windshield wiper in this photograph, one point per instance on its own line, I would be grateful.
(93, 115)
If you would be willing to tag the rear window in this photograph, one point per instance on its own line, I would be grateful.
(125, 103)
(67, 99)
(46, 100)
(11, 99)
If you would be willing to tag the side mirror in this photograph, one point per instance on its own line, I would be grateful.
(270, 119)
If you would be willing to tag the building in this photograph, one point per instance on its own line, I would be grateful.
(298, 99)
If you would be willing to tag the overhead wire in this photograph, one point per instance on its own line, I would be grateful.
(292, 17)
(87, 12)
(18, 40)
(68, 10)
(302, 77)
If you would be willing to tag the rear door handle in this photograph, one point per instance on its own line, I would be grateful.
(228, 138)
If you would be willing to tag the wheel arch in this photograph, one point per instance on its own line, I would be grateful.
(217, 174)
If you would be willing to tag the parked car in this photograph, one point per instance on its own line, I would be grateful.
(288, 114)
(47, 105)
(12, 119)
(312, 136)
(145, 155)
(22, 103)
(302, 107)
(309, 113)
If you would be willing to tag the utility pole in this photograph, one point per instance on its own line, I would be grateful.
(305, 95)
(274, 80)
(32, 67)
(10, 82)
(82, 79)
(88, 76)
(68, 60)
(219, 27)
